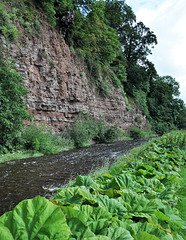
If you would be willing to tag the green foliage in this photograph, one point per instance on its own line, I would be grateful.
(120, 72)
(56, 9)
(83, 129)
(50, 12)
(12, 106)
(174, 138)
(105, 133)
(24, 12)
(6, 27)
(134, 200)
(137, 40)
(138, 119)
(161, 127)
(165, 110)
(141, 101)
(136, 133)
(86, 128)
(35, 218)
(40, 138)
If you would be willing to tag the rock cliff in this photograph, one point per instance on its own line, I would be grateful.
(58, 87)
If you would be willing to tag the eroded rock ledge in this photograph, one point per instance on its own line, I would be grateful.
(58, 90)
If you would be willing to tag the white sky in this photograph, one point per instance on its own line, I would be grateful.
(167, 19)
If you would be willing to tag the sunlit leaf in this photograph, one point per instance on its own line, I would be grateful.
(35, 218)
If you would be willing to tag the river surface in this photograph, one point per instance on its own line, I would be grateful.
(27, 178)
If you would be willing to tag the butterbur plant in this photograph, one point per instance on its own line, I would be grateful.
(174, 138)
(136, 200)
(35, 218)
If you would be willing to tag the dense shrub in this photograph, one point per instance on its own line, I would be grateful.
(86, 128)
(40, 138)
(105, 133)
(136, 133)
(82, 130)
(161, 127)
(12, 106)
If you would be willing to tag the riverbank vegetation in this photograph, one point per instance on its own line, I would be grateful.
(38, 140)
(138, 197)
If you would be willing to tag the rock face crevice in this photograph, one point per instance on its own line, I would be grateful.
(58, 87)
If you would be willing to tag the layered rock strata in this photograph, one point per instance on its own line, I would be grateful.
(58, 87)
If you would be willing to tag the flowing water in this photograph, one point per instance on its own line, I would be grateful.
(27, 178)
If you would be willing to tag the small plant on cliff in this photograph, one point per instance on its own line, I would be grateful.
(12, 106)
(6, 28)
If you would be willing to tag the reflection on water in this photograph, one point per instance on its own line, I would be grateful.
(26, 178)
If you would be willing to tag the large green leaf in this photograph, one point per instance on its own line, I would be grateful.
(79, 230)
(68, 196)
(112, 193)
(77, 223)
(98, 238)
(121, 182)
(182, 208)
(136, 228)
(111, 205)
(145, 167)
(145, 173)
(97, 219)
(74, 196)
(168, 194)
(119, 233)
(84, 181)
(174, 220)
(153, 183)
(145, 236)
(35, 218)
(138, 205)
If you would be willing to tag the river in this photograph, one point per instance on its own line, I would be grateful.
(27, 178)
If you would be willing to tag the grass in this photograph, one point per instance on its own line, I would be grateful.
(19, 155)
(29, 154)
(66, 145)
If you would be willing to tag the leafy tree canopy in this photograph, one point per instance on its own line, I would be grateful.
(165, 109)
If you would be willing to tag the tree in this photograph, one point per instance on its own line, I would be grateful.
(118, 15)
(136, 41)
(166, 111)
(173, 85)
(12, 106)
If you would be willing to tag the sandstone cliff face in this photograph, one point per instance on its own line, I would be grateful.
(58, 90)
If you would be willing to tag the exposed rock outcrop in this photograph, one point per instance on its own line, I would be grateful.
(58, 89)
